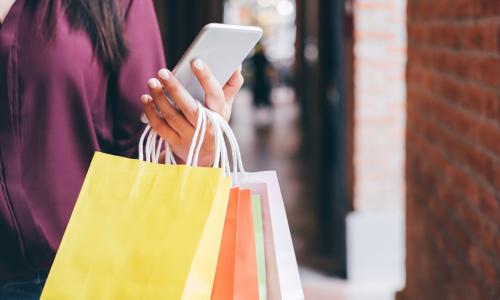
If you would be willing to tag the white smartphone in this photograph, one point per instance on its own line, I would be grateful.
(222, 47)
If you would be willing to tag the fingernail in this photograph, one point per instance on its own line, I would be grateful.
(154, 83)
(164, 74)
(145, 99)
(198, 64)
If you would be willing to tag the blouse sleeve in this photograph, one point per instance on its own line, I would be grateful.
(145, 58)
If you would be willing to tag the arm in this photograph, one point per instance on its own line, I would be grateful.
(145, 57)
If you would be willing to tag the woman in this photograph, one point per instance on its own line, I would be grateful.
(71, 76)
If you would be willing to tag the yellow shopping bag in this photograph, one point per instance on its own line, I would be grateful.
(141, 231)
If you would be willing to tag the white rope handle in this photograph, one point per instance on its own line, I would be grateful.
(150, 144)
(158, 150)
(141, 142)
(221, 157)
(194, 140)
(224, 155)
(202, 135)
(217, 136)
(235, 149)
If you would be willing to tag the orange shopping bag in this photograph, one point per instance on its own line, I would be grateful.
(224, 274)
(246, 282)
(236, 276)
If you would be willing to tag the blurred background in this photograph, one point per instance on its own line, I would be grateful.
(377, 115)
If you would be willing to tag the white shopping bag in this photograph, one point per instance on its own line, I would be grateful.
(283, 281)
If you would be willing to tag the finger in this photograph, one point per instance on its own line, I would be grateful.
(157, 123)
(159, 99)
(179, 95)
(155, 89)
(233, 85)
(214, 96)
(174, 118)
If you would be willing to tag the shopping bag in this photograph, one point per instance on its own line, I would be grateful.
(283, 280)
(259, 246)
(236, 276)
(224, 275)
(246, 284)
(135, 230)
(141, 230)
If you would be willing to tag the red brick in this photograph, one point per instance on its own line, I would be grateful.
(489, 204)
(484, 164)
(490, 7)
(458, 199)
(443, 9)
(454, 235)
(481, 212)
(479, 35)
(453, 149)
(481, 68)
(438, 99)
(490, 70)
(479, 260)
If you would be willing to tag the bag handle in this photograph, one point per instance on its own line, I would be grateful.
(150, 150)
(226, 130)
(221, 156)
(197, 140)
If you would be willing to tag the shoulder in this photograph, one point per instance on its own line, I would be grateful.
(133, 5)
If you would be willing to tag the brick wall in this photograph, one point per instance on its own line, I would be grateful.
(453, 150)
(380, 56)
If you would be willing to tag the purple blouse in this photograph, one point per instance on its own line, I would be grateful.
(57, 106)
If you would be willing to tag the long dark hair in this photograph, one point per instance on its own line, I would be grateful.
(103, 20)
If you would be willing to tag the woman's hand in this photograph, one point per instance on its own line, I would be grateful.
(177, 127)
